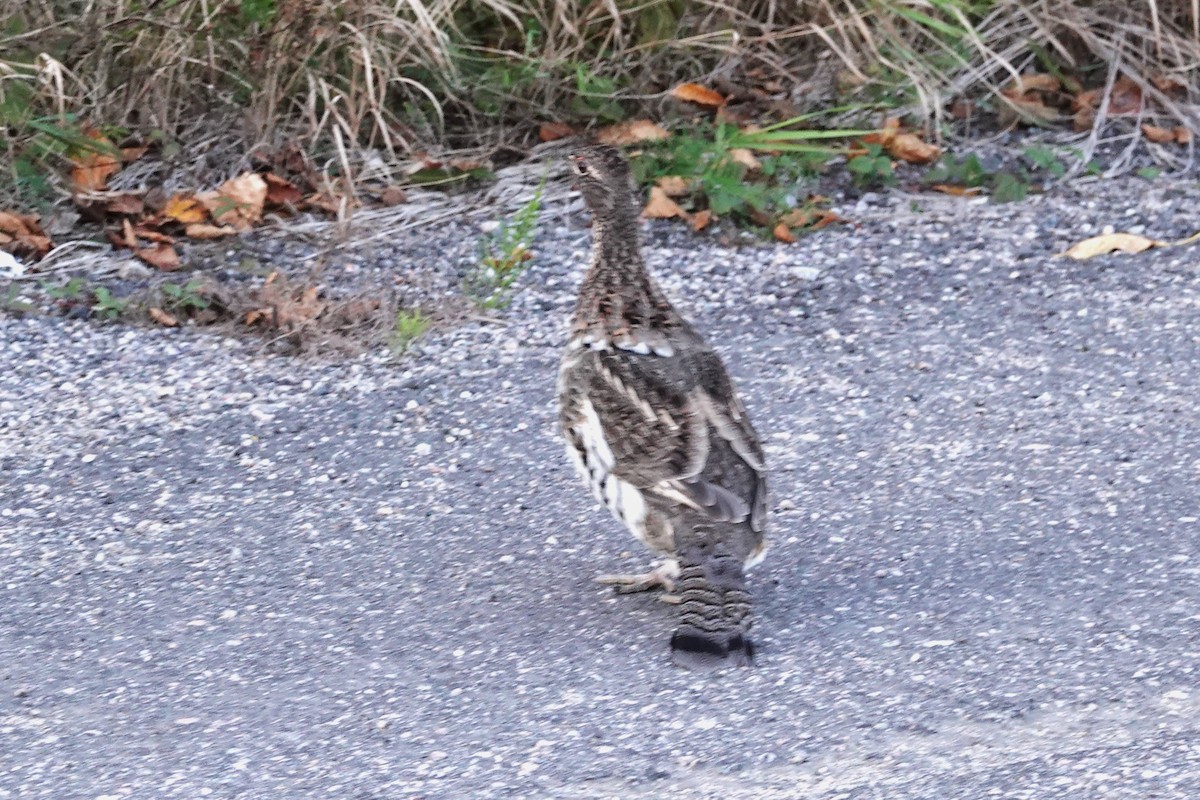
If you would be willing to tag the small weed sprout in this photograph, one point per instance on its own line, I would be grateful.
(503, 254)
(410, 325)
(107, 305)
(185, 297)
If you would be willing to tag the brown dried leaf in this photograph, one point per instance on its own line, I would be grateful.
(1036, 82)
(163, 318)
(1088, 99)
(323, 201)
(1157, 134)
(744, 157)
(1084, 118)
(701, 219)
(810, 218)
(550, 131)
(160, 256)
(1111, 242)
(662, 207)
(1168, 85)
(18, 224)
(962, 109)
(783, 233)
(184, 208)
(1126, 97)
(142, 232)
(126, 203)
(631, 132)
(238, 202)
(128, 239)
(700, 95)
(281, 191)
(202, 230)
(674, 185)
(393, 195)
(22, 234)
(1183, 134)
(1026, 108)
(92, 168)
(957, 191)
(911, 148)
(129, 154)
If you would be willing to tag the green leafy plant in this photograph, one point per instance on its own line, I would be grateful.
(185, 297)
(503, 254)
(106, 304)
(872, 168)
(12, 303)
(1004, 186)
(71, 290)
(594, 96)
(410, 325)
(725, 177)
(968, 172)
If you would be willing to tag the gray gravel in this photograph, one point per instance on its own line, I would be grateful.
(228, 574)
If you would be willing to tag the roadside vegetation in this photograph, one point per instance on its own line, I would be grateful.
(147, 124)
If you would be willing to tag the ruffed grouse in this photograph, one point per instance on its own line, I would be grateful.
(654, 425)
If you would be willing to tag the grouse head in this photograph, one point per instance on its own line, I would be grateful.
(602, 176)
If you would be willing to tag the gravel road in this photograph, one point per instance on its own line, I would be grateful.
(234, 575)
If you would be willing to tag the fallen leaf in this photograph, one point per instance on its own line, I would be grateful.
(810, 218)
(184, 208)
(701, 219)
(163, 318)
(93, 167)
(957, 191)
(1168, 85)
(911, 148)
(700, 95)
(393, 195)
(1026, 108)
(18, 224)
(142, 232)
(632, 132)
(674, 185)
(129, 154)
(202, 230)
(128, 239)
(783, 233)
(281, 191)
(1084, 118)
(1126, 97)
(1111, 242)
(1088, 99)
(125, 203)
(662, 207)
(1036, 82)
(1183, 135)
(160, 256)
(962, 109)
(744, 157)
(549, 131)
(238, 201)
(1157, 134)
(22, 234)
(323, 201)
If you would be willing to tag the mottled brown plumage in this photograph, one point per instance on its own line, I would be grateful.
(654, 425)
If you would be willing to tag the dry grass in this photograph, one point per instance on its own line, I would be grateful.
(364, 79)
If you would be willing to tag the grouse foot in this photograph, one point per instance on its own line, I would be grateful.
(663, 576)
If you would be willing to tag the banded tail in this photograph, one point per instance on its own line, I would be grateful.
(714, 613)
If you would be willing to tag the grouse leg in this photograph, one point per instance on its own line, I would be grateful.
(663, 576)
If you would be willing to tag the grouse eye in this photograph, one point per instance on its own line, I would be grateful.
(580, 166)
